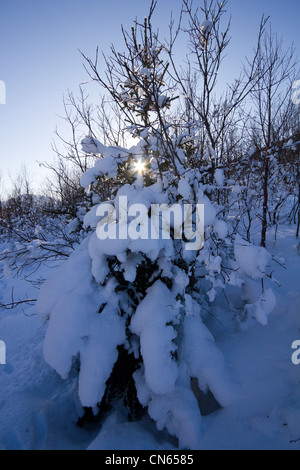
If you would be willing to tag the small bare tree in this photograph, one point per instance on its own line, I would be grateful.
(271, 98)
(208, 38)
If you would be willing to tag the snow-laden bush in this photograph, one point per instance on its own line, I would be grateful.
(35, 230)
(141, 300)
(127, 314)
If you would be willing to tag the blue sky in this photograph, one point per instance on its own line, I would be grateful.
(40, 60)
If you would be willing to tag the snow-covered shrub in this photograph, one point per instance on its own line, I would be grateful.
(126, 315)
(34, 230)
(141, 299)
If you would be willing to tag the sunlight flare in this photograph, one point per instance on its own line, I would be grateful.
(139, 167)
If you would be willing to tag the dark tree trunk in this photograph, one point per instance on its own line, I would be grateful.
(265, 203)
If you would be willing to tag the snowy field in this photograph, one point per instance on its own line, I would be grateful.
(39, 410)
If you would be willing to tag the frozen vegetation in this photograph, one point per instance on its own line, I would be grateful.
(124, 333)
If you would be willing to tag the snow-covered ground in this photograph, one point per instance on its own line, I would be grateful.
(38, 409)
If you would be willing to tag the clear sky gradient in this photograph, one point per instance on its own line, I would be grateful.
(40, 60)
